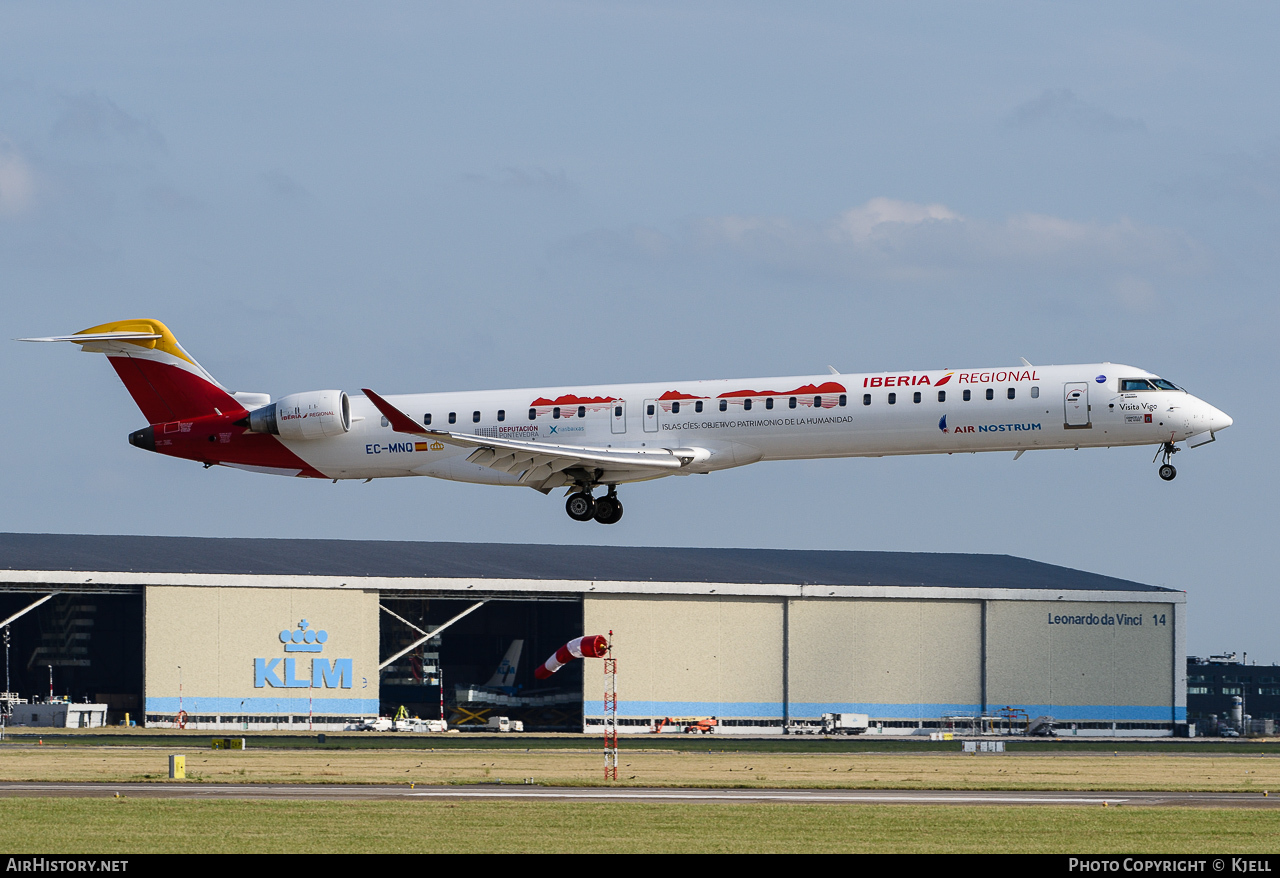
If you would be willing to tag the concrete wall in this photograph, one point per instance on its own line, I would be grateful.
(227, 643)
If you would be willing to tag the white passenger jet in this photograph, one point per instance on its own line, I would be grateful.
(582, 438)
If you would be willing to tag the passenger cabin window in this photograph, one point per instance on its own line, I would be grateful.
(617, 411)
(768, 403)
(967, 396)
(502, 414)
(844, 400)
(675, 408)
(453, 417)
(1011, 393)
(724, 405)
(649, 410)
(991, 393)
(533, 414)
(475, 417)
(817, 402)
(792, 403)
(426, 420)
(942, 396)
(582, 411)
(916, 397)
(893, 399)
(746, 405)
(697, 406)
(555, 412)
(866, 399)
(1035, 392)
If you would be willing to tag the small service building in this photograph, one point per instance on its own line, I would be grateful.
(314, 634)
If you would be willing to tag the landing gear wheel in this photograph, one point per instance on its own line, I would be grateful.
(580, 506)
(608, 510)
(1167, 450)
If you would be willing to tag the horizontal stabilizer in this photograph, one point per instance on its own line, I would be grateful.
(86, 337)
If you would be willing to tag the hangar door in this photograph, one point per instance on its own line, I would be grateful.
(690, 656)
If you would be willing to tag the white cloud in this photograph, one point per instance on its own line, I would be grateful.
(885, 215)
(17, 181)
(894, 238)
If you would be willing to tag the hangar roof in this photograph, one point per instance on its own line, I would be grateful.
(512, 561)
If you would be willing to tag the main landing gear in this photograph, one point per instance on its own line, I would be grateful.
(607, 509)
(1167, 471)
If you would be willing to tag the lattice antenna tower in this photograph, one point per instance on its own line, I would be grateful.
(610, 713)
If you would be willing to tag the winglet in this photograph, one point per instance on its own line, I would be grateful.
(399, 421)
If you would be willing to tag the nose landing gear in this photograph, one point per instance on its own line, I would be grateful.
(1167, 470)
(581, 506)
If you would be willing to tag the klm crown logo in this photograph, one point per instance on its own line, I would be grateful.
(292, 673)
(305, 639)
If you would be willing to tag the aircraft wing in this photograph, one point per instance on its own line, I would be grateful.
(542, 465)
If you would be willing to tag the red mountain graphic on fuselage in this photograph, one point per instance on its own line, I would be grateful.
(570, 399)
(675, 394)
(806, 390)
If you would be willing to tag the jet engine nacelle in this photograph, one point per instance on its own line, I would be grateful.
(318, 414)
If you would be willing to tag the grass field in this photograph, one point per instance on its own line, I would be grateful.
(707, 768)
(135, 826)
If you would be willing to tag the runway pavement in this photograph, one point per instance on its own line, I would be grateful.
(532, 792)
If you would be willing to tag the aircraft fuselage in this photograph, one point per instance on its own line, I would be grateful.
(583, 437)
(748, 420)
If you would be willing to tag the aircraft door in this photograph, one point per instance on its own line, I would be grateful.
(651, 416)
(618, 415)
(1076, 402)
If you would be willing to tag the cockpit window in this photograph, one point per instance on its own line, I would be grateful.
(1147, 384)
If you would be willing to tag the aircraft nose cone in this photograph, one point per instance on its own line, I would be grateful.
(1219, 420)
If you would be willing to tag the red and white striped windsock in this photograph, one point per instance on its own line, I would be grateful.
(590, 646)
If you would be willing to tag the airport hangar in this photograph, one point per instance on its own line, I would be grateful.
(290, 634)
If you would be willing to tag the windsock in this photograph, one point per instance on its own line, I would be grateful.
(591, 646)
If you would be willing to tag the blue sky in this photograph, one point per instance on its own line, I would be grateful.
(418, 196)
